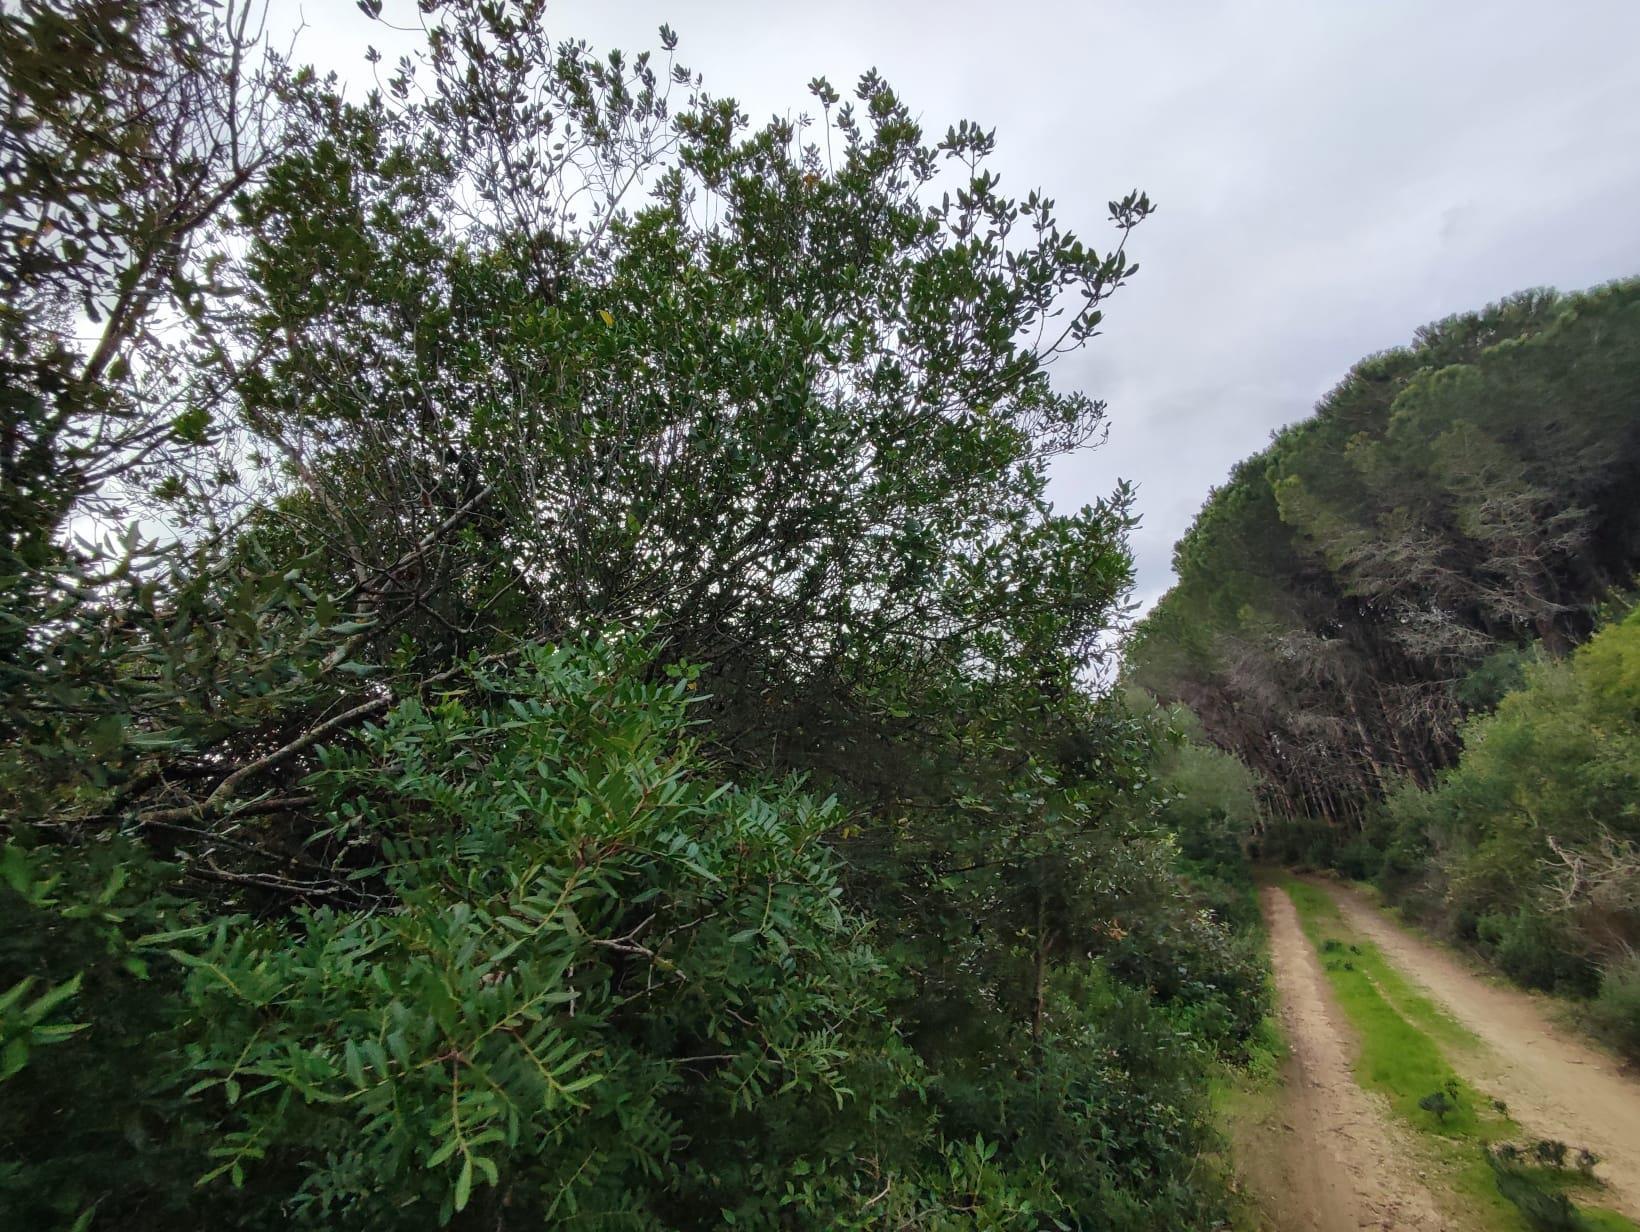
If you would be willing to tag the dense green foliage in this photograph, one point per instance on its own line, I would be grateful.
(1210, 803)
(538, 676)
(1354, 590)
(1529, 849)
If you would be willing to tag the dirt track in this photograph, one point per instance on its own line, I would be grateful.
(1556, 1086)
(1329, 1160)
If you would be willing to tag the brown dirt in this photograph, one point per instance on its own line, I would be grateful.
(1556, 1085)
(1328, 1159)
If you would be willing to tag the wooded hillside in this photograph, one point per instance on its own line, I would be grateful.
(1383, 568)
(539, 680)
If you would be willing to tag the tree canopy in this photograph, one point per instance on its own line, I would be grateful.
(539, 677)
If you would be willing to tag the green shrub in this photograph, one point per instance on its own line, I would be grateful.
(1199, 970)
(1299, 842)
(1359, 860)
(1437, 1103)
(1550, 1152)
(1536, 952)
(1544, 1210)
(597, 954)
(1615, 1012)
(1502, 672)
(593, 981)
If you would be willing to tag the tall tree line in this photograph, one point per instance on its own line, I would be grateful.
(1356, 588)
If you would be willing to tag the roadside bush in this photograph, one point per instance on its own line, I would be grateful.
(1208, 801)
(1401, 828)
(1198, 951)
(1536, 952)
(584, 924)
(1543, 1210)
(1115, 1115)
(1615, 1012)
(1190, 962)
(1359, 860)
(589, 978)
(1298, 842)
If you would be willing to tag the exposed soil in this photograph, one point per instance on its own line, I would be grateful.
(1556, 1085)
(1328, 1158)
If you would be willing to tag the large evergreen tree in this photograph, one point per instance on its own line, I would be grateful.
(590, 717)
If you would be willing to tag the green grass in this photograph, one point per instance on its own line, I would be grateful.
(1244, 1098)
(1401, 1032)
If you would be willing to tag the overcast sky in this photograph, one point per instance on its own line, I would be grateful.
(1330, 173)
